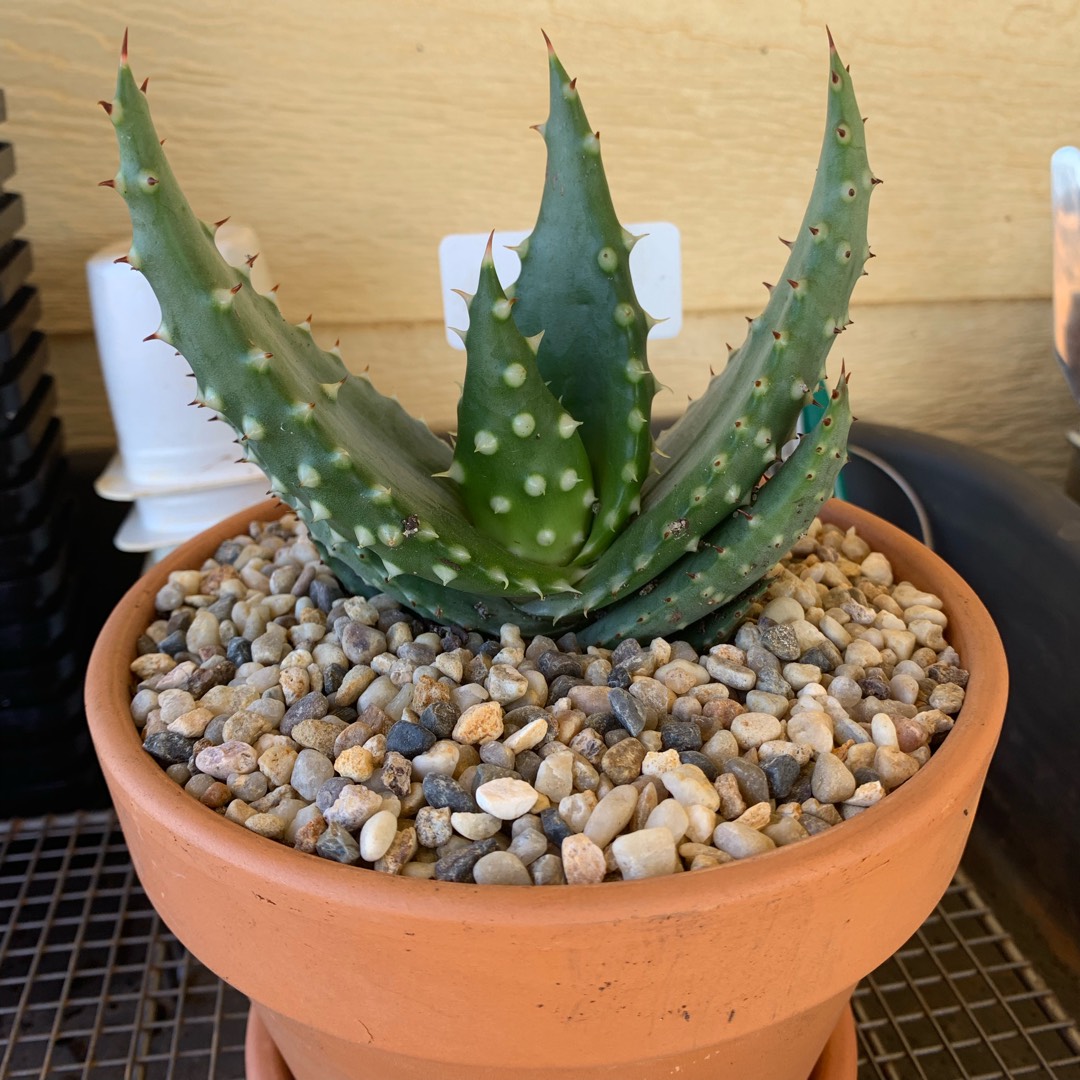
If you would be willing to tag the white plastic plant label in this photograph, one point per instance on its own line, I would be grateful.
(655, 263)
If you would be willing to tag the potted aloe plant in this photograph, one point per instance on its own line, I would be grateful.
(553, 511)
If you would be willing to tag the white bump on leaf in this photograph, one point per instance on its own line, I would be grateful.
(514, 375)
(308, 476)
(568, 480)
(485, 443)
(364, 536)
(535, 484)
(523, 425)
(459, 554)
(319, 511)
(635, 420)
(252, 429)
(567, 425)
(545, 537)
(501, 309)
(499, 504)
(390, 535)
(444, 573)
(624, 314)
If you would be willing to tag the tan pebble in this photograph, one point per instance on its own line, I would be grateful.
(505, 683)
(690, 785)
(267, 825)
(700, 822)
(740, 841)
(586, 778)
(583, 861)
(238, 811)
(479, 723)
(428, 691)
(710, 862)
(611, 815)
(377, 834)
(867, 794)
(355, 764)
(318, 734)
(622, 762)
(525, 738)
(652, 740)
(652, 694)
(877, 568)
(786, 830)
(475, 826)
(883, 730)
(710, 692)
(722, 710)
(295, 683)
(947, 698)
(669, 815)
(861, 756)
(731, 803)
(506, 798)
(192, 724)
(376, 747)
(424, 871)
(547, 870)
(655, 764)
(831, 781)
(575, 809)
(433, 826)
(396, 775)
(229, 757)
(399, 854)
(782, 748)
(501, 868)
(681, 676)
(813, 729)
(174, 703)
(276, 764)
(927, 633)
(647, 801)
(353, 806)
(216, 795)
(152, 664)
(826, 811)
(589, 699)
(756, 816)
(555, 777)
(721, 747)
(650, 852)
(894, 767)
(751, 729)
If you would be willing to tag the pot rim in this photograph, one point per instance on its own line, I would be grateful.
(914, 805)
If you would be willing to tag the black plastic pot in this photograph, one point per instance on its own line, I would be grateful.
(1017, 542)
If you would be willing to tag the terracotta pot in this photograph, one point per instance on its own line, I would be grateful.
(740, 972)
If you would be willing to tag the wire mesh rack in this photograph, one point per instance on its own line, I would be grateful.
(94, 986)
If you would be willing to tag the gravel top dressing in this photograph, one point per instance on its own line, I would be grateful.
(346, 728)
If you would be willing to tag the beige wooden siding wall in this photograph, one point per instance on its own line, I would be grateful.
(353, 135)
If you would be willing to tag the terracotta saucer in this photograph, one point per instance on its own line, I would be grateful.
(838, 1061)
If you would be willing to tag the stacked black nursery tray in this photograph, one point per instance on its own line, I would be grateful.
(44, 747)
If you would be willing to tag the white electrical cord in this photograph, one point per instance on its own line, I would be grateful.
(901, 482)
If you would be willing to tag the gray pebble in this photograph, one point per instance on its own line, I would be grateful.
(753, 784)
(310, 771)
(458, 866)
(339, 845)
